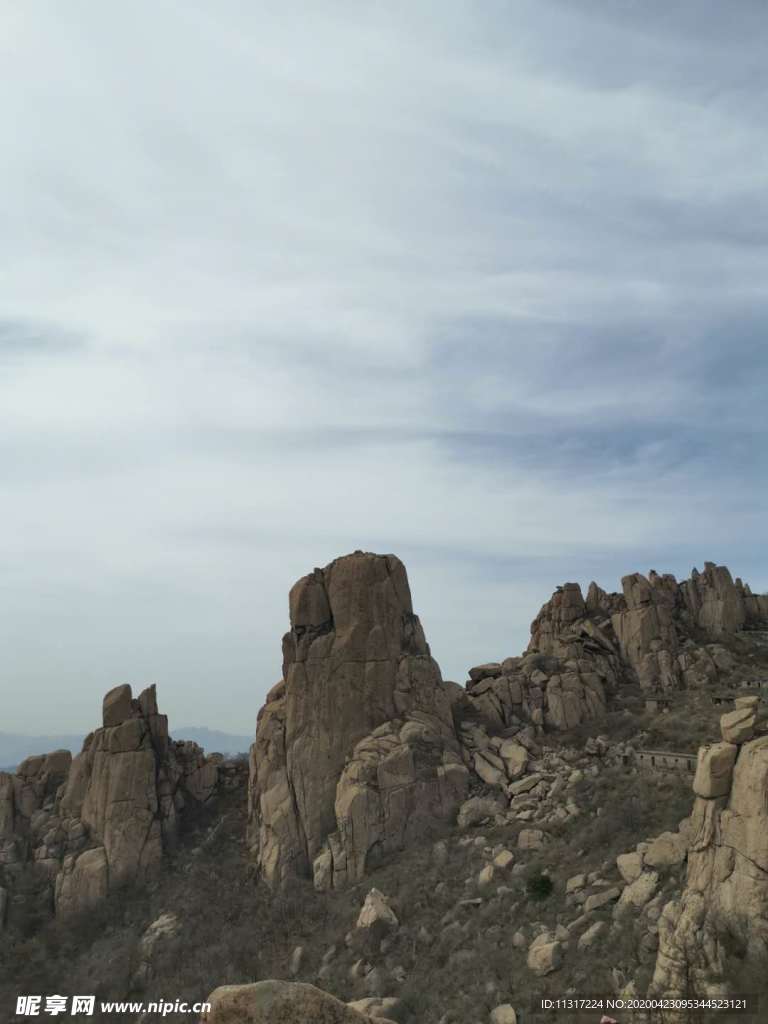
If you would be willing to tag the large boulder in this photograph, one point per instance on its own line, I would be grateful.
(738, 726)
(279, 1002)
(355, 750)
(666, 851)
(713, 770)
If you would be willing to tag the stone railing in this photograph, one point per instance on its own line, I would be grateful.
(748, 684)
(665, 761)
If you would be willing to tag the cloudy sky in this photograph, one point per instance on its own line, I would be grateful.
(484, 285)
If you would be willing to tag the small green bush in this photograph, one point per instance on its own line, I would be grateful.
(539, 887)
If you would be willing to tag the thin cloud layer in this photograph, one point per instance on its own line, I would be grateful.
(484, 287)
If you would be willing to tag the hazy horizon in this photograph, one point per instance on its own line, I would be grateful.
(482, 286)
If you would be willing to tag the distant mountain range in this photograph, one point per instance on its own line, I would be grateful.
(15, 747)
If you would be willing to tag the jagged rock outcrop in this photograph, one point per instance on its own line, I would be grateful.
(73, 829)
(721, 919)
(355, 748)
(663, 633)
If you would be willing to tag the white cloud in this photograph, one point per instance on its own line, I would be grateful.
(303, 278)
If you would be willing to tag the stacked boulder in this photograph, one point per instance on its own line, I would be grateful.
(71, 830)
(356, 751)
(723, 911)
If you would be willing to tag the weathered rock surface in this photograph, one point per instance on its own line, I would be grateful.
(355, 751)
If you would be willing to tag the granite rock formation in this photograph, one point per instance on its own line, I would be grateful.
(355, 749)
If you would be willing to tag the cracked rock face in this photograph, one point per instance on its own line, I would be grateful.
(355, 748)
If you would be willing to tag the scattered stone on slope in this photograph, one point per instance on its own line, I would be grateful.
(376, 913)
(545, 954)
(479, 809)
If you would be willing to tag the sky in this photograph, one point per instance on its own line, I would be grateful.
(483, 285)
